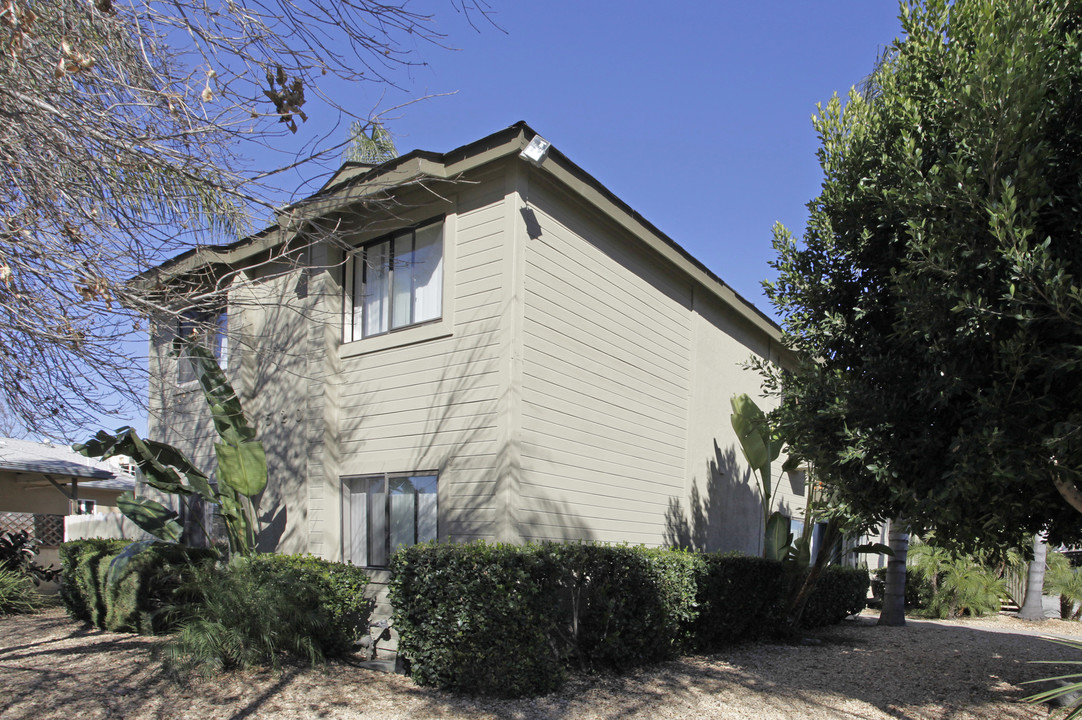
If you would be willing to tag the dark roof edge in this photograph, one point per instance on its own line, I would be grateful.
(455, 155)
(476, 147)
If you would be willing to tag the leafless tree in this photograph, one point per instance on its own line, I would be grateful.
(124, 133)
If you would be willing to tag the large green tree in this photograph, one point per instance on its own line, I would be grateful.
(936, 291)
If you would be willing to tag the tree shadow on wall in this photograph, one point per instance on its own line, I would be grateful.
(728, 517)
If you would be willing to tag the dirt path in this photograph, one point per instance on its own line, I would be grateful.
(51, 667)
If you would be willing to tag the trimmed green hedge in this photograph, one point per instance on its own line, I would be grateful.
(142, 600)
(477, 618)
(740, 598)
(507, 619)
(621, 606)
(839, 593)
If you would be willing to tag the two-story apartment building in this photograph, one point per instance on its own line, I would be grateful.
(478, 344)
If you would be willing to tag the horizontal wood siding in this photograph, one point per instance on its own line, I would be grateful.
(722, 510)
(269, 357)
(432, 405)
(605, 381)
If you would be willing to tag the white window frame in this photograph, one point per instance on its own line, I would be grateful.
(195, 323)
(368, 517)
(356, 319)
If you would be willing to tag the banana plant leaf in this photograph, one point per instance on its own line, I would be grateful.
(751, 441)
(777, 538)
(242, 467)
(164, 467)
(119, 564)
(238, 524)
(151, 516)
(127, 442)
(167, 455)
(759, 445)
(225, 407)
(748, 422)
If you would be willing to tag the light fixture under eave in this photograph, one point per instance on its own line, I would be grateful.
(536, 151)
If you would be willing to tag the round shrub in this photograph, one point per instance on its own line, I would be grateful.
(839, 593)
(340, 590)
(476, 618)
(258, 609)
(740, 598)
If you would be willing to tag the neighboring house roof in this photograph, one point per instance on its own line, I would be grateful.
(356, 181)
(45, 458)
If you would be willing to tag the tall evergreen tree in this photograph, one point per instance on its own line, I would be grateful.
(936, 292)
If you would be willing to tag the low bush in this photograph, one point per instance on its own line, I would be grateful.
(259, 609)
(918, 589)
(507, 619)
(740, 598)
(79, 589)
(18, 553)
(152, 594)
(340, 589)
(622, 606)
(478, 617)
(966, 588)
(18, 593)
(147, 597)
(838, 593)
(1065, 581)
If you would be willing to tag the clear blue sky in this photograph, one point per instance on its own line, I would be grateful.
(697, 114)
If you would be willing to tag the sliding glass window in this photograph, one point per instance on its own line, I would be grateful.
(395, 282)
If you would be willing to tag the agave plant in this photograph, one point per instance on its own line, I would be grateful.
(241, 474)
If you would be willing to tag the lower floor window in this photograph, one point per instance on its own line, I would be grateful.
(387, 512)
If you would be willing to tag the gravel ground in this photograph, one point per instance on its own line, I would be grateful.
(51, 667)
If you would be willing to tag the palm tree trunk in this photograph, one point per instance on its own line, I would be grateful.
(1033, 607)
(893, 613)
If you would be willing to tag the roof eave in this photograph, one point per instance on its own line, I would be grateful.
(418, 166)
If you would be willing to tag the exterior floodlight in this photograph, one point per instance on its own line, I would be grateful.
(536, 151)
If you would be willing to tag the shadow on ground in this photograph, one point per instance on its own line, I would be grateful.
(53, 668)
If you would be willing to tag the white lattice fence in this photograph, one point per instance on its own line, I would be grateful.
(49, 529)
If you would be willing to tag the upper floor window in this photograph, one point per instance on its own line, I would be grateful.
(210, 327)
(395, 282)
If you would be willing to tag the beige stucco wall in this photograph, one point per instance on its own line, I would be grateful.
(721, 509)
(34, 494)
(267, 365)
(426, 398)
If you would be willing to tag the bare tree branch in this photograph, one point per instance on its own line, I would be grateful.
(124, 129)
